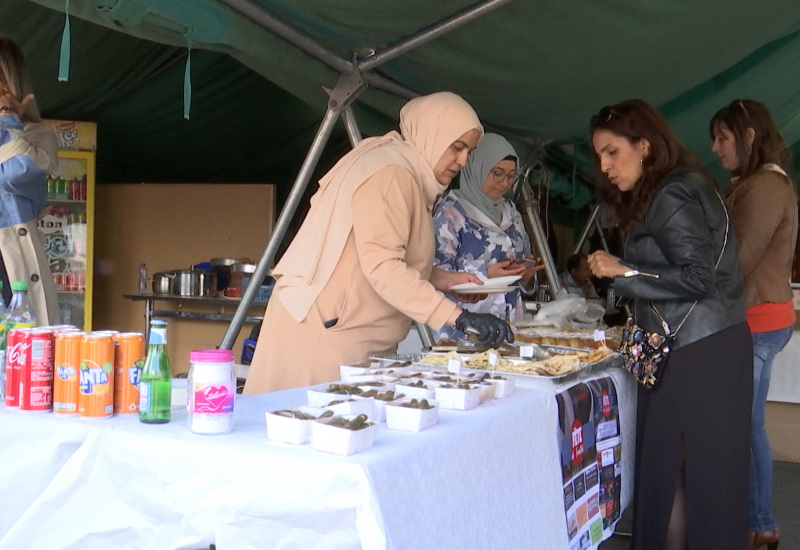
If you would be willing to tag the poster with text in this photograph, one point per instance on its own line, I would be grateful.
(591, 454)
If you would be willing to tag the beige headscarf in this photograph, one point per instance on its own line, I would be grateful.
(428, 126)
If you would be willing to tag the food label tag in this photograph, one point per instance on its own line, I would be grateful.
(454, 366)
(526, 351)
(599, 335)
(493, 359)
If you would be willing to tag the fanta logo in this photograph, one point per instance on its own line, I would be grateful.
(66, 372)
(18, 353)
(135, 374)
(93, 375)
(212, 399)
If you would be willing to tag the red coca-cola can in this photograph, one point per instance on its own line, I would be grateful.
(16, 355)
(36, 374)
(75, 189)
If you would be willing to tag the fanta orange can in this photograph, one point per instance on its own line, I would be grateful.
(96, 392)
(67, 367)
(128, 362)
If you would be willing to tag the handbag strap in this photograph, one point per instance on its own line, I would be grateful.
(663, 321)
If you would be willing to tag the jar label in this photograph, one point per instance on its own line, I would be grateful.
(216, 399)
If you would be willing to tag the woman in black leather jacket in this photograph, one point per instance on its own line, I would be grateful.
(680, 255)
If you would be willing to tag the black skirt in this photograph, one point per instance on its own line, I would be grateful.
(700, 411)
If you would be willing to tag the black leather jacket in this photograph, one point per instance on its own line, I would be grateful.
(676, 249)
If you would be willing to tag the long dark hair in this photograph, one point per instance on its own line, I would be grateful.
(14, 76)
(636, 120)
(768, 144)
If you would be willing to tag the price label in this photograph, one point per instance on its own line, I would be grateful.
(493, 359)
(526, 351)
(454, 366)
(599, 336)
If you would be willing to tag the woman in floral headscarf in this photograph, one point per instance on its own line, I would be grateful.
(360, 268)
(479, 231)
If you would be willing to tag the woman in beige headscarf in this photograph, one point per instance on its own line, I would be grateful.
(360, 268)
(28, 152)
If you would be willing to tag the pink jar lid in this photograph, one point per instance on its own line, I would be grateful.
(211, 356)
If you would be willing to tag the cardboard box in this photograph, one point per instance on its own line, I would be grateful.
(783, 429)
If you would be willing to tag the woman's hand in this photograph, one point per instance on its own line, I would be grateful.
(530, 270)
(10, 105)
(504, 269)
(443, 280)
(605, 265)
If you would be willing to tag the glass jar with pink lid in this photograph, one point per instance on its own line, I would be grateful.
(211, 391)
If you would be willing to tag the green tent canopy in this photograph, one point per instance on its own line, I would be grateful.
(534, 70)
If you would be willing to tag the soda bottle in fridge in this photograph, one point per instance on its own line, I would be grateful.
(155, 385)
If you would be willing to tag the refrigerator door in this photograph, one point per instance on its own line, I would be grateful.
(68, 227)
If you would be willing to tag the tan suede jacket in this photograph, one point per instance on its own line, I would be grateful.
(764, 215)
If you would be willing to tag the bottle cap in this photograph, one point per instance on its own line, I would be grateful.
(211, 356)
(19, 285)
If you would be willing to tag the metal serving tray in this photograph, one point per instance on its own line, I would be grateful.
(587, 370)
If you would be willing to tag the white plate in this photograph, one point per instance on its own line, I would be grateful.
(496, 283)
(486, 290)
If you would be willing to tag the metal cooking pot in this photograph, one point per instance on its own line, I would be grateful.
(162, 282)
(194, 282)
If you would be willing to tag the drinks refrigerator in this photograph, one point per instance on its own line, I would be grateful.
(68, 220)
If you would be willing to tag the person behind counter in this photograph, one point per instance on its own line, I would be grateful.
(680, 256)
(481, 232)
(361, 266)
(28, 153)
(577, 279)
(763, 204)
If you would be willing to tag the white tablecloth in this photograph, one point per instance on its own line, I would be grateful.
(486, 478)
(785, 382)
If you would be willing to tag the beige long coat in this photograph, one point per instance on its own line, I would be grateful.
(21, 245)
(380, 283)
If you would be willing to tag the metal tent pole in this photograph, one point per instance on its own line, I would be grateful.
(348, 87)
(351, 83)
(431, 33)
(351, 126)
(284, 219)
(529, 210)
(587, 230)
(258, 14)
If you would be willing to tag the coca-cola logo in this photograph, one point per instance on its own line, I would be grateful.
(18, 353)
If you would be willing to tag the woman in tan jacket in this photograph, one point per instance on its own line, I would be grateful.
(763, 206)
(360, 268)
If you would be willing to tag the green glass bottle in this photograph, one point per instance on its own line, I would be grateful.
(155, 385)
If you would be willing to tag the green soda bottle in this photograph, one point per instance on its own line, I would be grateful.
(155, 385)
